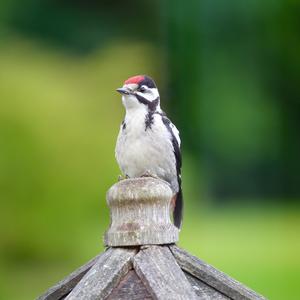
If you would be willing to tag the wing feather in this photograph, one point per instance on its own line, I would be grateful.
(178, 210)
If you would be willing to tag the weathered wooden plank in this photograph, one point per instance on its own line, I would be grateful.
(204, 291)
(64, 286)
(106, 273)
(213, 277)
(130, 287)
(158, 269)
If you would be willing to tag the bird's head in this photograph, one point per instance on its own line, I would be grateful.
(140, 92)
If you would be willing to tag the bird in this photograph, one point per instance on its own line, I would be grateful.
(148, 143)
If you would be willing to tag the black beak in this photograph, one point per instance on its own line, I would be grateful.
(123, 91)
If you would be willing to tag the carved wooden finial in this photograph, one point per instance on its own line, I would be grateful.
(140, 213)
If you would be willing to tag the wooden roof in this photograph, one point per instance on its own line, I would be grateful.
(142, 260)
(148, 272)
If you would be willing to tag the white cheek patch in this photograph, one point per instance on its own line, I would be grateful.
(150, 94)
(155, 92)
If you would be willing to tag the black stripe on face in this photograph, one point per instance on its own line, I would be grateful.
(152, 105)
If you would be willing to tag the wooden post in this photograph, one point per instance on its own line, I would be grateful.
(140, 213)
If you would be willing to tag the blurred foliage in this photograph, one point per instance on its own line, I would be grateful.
(228, 76)
(59, 121)
(233, 70)
(80, 26)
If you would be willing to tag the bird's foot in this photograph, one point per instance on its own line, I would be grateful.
(148, 174)
(122, 177)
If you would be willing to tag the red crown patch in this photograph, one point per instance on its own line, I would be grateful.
(135, 79)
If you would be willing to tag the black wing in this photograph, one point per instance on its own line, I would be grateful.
(178, 210)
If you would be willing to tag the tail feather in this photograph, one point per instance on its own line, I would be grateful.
(178, 210)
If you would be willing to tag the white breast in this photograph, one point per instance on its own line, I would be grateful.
(139, 150)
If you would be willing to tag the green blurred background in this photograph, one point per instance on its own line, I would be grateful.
(228, 72)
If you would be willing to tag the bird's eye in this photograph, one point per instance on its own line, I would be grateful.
(142, 89)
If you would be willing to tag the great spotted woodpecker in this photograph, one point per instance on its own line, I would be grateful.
(148, 143)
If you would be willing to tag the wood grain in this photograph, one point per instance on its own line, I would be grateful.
(140, 213)
(204, 291)
(106, 273)
(131, 287)
(161, 274)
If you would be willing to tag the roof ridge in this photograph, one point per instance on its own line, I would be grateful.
(212, 276)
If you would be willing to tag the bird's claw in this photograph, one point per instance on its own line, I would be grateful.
(122, 177)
